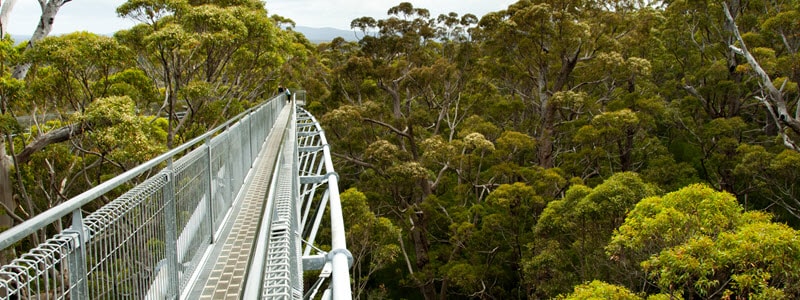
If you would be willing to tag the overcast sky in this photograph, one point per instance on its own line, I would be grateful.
(99, 16)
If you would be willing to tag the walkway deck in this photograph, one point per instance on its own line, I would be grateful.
(225, 268)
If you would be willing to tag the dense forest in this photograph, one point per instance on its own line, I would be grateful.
(557, 148)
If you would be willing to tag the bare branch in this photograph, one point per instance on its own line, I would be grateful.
(439, 176)
(694, 92)
(11, 213)
(390, 127)
(775, 95)
(56, 136)
(355, 160)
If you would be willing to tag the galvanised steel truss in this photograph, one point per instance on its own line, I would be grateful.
(306, 185)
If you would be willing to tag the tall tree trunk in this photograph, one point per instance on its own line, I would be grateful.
(6, 189)
(393, 91)
(49, 11)
(421, 248)
(548, 110)
(774, 100)
(420, 230)
(545, 153)
(626, 150)
(545, 138)
(5, 13)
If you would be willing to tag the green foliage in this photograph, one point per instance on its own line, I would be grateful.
(662, 222)
(135, 84)
(572, 232)
(371, 239)
(9, 124)
(72, 70)
(120, 134)
(382, 152)
(576, 115)
(698, 241)
(599, 290)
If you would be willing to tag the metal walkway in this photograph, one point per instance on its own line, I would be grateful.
(226, 220)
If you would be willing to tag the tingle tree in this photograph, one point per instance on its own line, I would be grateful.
(210, 59)
(534, 49)
(537, 46)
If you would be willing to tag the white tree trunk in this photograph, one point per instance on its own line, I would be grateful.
(5, 11)
(6, 193)
(774, 100)
(49, 11)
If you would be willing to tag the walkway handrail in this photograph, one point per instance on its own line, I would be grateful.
(313, 174)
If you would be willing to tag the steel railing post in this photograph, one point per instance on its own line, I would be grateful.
(78, 277)
(250, 139)
(210, 191)
(247, 154)
(171, 232)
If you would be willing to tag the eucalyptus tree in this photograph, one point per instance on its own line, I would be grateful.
(700, 243)
(451, 83)
(396, 49)
(734, 65)
(66, 75)
(64, 81)
(15, 70)
(531, 43)
(69, 75)
(211, 58)
(695, 40)
(348, 71)
(778, 85)
(573, 231)
(534, 49)
(420, 66)
(373, 241)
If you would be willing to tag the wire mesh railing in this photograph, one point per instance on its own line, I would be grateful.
(147, 242)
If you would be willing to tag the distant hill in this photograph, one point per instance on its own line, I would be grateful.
(315, 35)
(318, 35)
(19, 38)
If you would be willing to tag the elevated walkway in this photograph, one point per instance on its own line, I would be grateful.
(224, 216)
